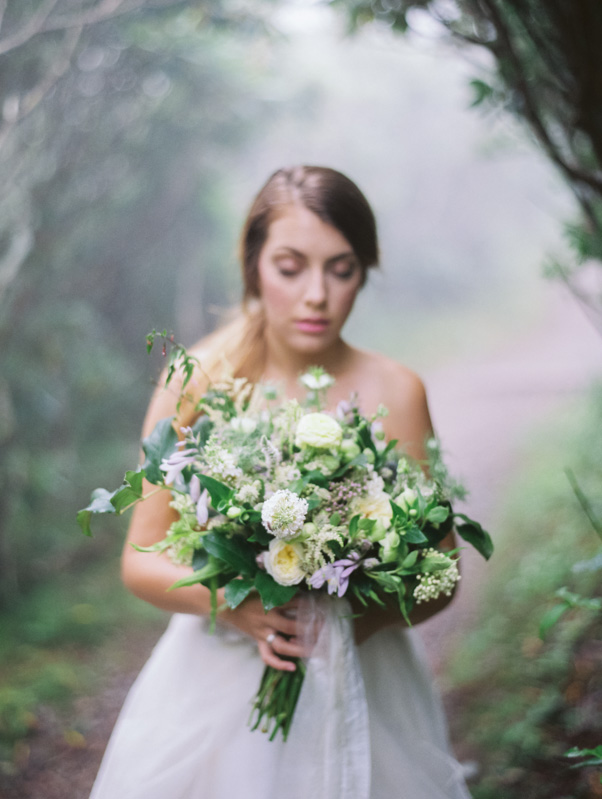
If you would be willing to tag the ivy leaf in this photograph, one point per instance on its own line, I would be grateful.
(129, 493)
(101, 503)
(272, 593)
(237, 590)
(160, 444)
(472, 532)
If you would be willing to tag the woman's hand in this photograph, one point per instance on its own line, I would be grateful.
(279, 633)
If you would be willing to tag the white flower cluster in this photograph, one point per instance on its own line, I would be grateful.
(285, 474)
(283, 514)
(374, 485)
(431, 586)
(221, 464)
(249, 492)
(317, 551)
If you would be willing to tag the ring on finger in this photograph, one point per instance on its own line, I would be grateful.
(271, 638)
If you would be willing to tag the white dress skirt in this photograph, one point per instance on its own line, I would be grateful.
(368, 724)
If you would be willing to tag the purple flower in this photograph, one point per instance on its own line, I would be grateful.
(336, 574)
(201, 499)
(176, 463)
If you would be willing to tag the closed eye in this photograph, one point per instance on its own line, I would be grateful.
(344, 268)
(287, 266)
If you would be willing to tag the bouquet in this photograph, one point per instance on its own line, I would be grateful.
(277, 497)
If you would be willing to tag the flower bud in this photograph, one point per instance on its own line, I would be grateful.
(369, 455)
(233, 512)
(349, 449)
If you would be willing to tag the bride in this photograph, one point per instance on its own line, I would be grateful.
(306, 248)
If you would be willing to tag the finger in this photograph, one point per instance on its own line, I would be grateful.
(281, 624)
(270, 658)
(293, 648)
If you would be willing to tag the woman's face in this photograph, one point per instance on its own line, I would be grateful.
(308, 280)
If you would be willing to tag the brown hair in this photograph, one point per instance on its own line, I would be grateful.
(336, 200)
(329, 194)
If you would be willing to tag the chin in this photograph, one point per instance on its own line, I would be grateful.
(309, 345)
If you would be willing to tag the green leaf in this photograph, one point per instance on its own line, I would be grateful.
(214, 568)
(235, 551)
(161, 443)
(200, 559)
(414, 535)
(129, 493)
(261, 536)
(410, 560)
(272, 593)
(353, 525)
(550, 618)
(438, 514)
(101, 503)
(202, 428)
(219, 492)
(472, 532)
(593, 757)
(316, 477)
(238, 590)
(482, 91)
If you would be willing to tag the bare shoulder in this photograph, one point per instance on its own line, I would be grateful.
(402, 392)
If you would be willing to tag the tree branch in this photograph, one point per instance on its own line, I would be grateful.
(29, 29)
(531, 111)
(34, 96)
(3, 5)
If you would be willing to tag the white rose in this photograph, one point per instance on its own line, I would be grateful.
(318, 430)
(283, 561)
(374, 507)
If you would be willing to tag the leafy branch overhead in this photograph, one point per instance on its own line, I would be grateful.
(548, 72)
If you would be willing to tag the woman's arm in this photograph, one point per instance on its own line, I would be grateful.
(150, 575)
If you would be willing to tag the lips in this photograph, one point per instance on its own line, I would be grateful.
(316, 325)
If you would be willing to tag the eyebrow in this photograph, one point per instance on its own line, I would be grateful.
(338, 257)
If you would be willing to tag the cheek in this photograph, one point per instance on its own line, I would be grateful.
(345, 300)
(276, 295)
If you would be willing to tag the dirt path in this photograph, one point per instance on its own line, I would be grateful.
(481, 410)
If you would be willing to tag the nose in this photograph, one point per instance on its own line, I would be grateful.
(316, 293)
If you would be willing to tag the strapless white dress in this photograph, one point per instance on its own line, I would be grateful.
(368, 724)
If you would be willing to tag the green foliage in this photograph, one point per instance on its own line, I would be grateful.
(525, 700)
(272, 593)
(545, 55)
(48, 643)
(112, 198)
(158, 445)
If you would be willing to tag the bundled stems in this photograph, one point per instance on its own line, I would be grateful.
(276, 700)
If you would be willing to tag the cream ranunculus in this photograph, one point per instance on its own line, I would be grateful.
(318, 430)
(374, 507)
(283, 561)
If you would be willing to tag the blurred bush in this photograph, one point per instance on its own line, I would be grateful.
(523, 701)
